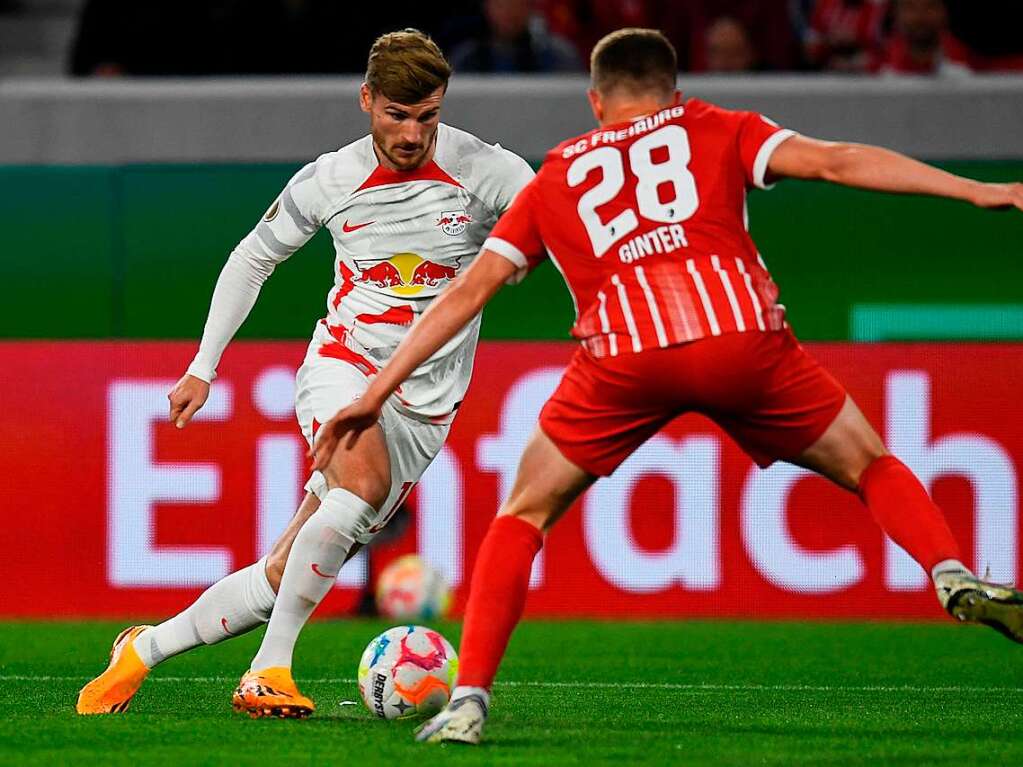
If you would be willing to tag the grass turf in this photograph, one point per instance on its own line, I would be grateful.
(721, 693)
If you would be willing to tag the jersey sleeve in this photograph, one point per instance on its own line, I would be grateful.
(758, 138)
(292, 219)
(517, 234)
(516, 174)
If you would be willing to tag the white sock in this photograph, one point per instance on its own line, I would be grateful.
(231, 606)
(462, 691)
(320, 549)
(949, 566)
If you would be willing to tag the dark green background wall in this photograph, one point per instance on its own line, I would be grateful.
(134, 251)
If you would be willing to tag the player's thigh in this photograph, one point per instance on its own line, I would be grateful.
(324, 386)
(412, 446)
(848, 446)
(546, 484)
(788, 399)
(603, 410)
(363, 468)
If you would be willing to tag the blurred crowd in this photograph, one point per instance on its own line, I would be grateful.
(206, 37)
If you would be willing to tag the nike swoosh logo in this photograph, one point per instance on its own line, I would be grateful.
(316, 569)
(354, 227)
(223, 622)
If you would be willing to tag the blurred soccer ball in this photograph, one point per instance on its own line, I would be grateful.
(409, 589)
(407, 671)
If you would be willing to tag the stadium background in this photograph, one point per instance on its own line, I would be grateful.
(122, 197)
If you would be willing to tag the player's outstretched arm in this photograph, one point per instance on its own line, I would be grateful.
(291, 221)
(233, 298)
(447, 314)
(870, 167)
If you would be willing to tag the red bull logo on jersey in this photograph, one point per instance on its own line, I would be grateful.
(454, 222)
(404, 274)
(382, 275)
(432, 274)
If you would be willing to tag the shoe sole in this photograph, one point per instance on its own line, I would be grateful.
(468, 734)
(465, 741)
(289, 711)
(1003, 614)
(442, 737)
(117, 708)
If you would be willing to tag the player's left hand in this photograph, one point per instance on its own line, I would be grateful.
(350, 421)
(999, 196)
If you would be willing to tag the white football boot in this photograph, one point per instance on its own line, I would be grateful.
(971, 600)
(461, 721)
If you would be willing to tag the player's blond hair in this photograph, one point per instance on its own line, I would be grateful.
(406, 66)
(634, 58)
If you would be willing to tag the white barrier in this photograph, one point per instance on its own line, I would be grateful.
(293, 119)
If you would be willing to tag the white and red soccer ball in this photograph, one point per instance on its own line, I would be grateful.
(409, 589)
(407, 671)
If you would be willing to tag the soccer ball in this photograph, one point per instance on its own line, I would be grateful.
(407, 671)
(409, 589)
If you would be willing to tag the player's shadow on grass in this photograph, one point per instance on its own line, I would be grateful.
(842, 730)
(358, 717)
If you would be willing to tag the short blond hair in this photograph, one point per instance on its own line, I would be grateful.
(406, 66)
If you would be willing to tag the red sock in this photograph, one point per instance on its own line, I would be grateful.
(903, 509)
(497, 596)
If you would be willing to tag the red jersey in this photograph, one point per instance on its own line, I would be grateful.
(646, 220)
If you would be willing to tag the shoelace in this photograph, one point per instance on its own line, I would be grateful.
(464, 699)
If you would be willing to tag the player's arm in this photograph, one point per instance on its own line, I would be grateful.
(289, 223)
(451, 311)
(234, 296)
(870, 167)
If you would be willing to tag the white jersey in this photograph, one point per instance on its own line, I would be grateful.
(399, 238)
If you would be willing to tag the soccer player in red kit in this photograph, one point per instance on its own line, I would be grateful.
(675, 312)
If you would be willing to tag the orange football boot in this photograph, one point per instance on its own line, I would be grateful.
(271, 692)
(112, 691)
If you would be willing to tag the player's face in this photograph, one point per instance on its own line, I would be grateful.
(402, 133)
(921, 21)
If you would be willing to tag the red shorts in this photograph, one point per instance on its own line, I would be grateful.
(762, 388)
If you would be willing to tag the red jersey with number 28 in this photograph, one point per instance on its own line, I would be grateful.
(646, 220)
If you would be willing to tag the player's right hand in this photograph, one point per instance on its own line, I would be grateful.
(999, 196)
(349, 421)
(188, 395)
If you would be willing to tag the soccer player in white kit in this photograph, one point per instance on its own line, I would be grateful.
(408, 207)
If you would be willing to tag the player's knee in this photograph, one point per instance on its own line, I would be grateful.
(372, 487)
(852, 472)
(275, 562)
(535, 515)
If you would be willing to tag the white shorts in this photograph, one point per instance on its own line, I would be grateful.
(323, 386)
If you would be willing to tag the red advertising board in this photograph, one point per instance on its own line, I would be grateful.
(110, 511)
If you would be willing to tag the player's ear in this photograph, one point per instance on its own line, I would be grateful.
(595, 104)
(365, 98)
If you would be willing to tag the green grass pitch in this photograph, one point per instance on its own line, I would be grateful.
(719, 693)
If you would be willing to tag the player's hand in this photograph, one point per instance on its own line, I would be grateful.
(998, 196)
(188, 395)
(350, 421)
